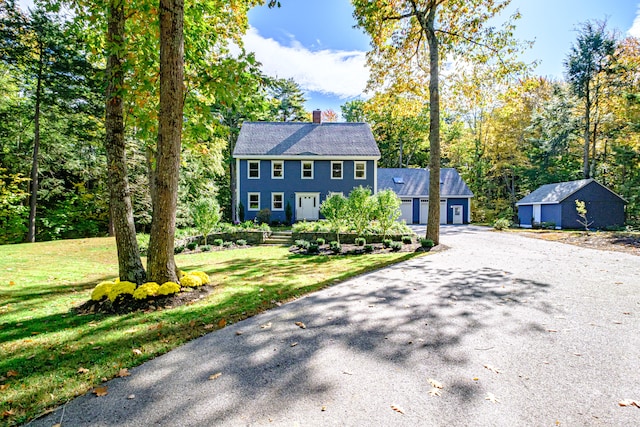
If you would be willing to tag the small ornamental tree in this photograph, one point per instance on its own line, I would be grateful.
(581, 209)
(206, 215)
(335, 210)
(360, 208)
(386, 209)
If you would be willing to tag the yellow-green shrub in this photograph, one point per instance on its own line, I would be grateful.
(204, 277)
(101, 290)
(121, 288)
(148, 289)
(169, 288)
(191, 281)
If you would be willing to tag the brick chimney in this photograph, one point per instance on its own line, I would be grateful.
(317, 116)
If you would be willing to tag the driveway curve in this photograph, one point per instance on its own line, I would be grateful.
(516, 331)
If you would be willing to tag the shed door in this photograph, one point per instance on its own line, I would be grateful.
(537, 213)
(457, 214)
(406, 211)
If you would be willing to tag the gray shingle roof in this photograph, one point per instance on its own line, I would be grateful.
(416, 182)
(554, 193)
(305, 139)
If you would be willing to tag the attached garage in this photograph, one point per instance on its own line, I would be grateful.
(412, 186)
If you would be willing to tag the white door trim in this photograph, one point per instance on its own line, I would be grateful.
(315, 209)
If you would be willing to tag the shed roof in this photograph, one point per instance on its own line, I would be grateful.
(557, 192)
(415, 182)
(305, 139)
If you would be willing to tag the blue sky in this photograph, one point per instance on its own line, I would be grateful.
(314, 42)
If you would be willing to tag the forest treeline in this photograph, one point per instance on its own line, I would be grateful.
(506, 132)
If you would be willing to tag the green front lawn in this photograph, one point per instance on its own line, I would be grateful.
(48, 354)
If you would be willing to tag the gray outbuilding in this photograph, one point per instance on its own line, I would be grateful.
(555, 205)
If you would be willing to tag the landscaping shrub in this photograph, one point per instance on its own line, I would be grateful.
(191, 281)
(320, 241)
(204, 277)
(227, 244)
(502, 223)
(218, 242)
(205, 248)
(360, 241)
(427, 243)
(288, 212)
(101, 290)
(178, 249)
(368, 248)
(192, 245)
(335, 247)
(264, 216)
(387, 243)
(169, 288)
(313, 249)
(396, 246)
(302, 244)
(407, 240)
(241, 242)
(205, 213)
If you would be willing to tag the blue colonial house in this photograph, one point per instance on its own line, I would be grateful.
(300, 164)
(556, 204)
(412, 186)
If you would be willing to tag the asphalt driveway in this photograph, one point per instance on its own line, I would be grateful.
(517, 331)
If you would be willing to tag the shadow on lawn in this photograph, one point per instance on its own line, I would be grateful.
(398, 319)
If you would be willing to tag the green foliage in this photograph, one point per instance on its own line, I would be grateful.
(335, 247)
(192, 245)
(227, 244)
(287, 100)
(502, 223)
(360, 208)
(386, 209)
(395, 246)
(353, 111)
(178, 249)
(360, 241)
(264, 216)
(241, 212)
(320, 241)
(241, 242)
(336, 211)
(288, 212)
(407, 240)
(581, 210)
(205, 248)
(206, 215)
(218, 242)
(313, 249)
(386, 243)
(368, 249)
(427, 243)
(12, 211)
(302, 244)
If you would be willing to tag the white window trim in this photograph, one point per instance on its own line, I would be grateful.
(249, 162)
(302, 163)
(355, 169)
(249, 201)
(273, 162)
(340, 162)
(273, 207)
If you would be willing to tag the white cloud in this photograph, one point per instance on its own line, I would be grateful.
(635, 28)
(335, 72)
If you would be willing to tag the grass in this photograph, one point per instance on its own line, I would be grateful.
(44, 345)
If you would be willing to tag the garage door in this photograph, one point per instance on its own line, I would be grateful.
(406, 210)
(424, 211)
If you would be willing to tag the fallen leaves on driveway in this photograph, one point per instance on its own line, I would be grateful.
(397, 409)
(492, 369)
(629, 402)
(491, 398)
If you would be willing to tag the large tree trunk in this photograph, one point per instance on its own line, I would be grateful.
(433, 222)
(33, 200)
(129, 263)
(161, 263)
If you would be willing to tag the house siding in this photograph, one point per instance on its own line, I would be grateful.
(525, 215)
(551, 213)
(293, 183)
(464, 202)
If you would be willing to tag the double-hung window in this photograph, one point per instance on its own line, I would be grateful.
(336, 170)
(253, 168)
(360, 170)
(307, 169)
(277, 201)
(254, 201)
(277, 169)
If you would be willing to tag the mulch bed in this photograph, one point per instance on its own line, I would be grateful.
(606, 241)
(351, 249)
(128, 304)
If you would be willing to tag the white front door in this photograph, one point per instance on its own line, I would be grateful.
(457, 214)
(406, 210)
(307, 206)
